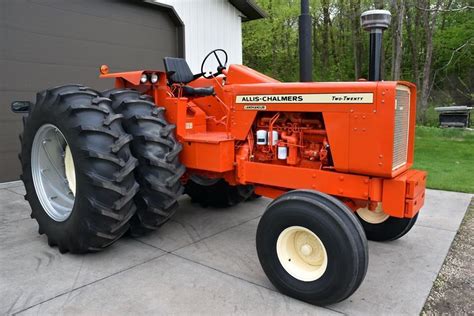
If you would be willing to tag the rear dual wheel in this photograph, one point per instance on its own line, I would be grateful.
(154, 145)
(312, 247)
(77, 169)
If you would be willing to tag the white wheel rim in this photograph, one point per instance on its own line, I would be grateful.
(70, 170)
(376, 216)
(301, 253)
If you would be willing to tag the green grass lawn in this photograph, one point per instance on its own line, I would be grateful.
(448, 157)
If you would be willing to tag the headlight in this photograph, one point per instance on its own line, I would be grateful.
(154, 78)
(143, 78)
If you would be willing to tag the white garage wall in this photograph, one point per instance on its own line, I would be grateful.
(209, 24)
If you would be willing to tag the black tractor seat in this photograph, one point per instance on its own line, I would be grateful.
(178, 71)
(201, 91)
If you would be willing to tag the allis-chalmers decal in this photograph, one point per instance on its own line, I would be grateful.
(361, 98)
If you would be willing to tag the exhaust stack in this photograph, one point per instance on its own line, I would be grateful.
(375, 22)
(306, 58)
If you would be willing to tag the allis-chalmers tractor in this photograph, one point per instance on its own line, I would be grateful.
(336, 158)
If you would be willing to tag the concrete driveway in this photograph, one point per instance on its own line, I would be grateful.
(204, 261)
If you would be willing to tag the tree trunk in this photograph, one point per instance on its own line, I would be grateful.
(342, 35)
(443, 21)
(412, 38)
(325, 37)
(287, 32)
(379, 5)
(430, 25)
(399, 6)
(315, 46)
(356, 38)
(274, 42)
(333, 43)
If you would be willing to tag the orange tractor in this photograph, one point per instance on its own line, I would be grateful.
(336, 158)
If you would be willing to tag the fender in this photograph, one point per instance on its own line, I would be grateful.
(127, 78)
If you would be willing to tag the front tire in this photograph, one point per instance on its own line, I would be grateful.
(379, 226)
(77, 169)
(312, 247)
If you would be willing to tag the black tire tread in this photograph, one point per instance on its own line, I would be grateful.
(102, 220)
(349, 227)
(154, 145)
(391, 229)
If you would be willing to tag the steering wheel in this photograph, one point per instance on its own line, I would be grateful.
(221, 66)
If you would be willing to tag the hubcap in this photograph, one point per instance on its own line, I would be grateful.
(376, 216)
(301, 253)
(54, 176)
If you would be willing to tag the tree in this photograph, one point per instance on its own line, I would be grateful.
(430, 43)
(356, 37)
(429, 23)
(398, 7)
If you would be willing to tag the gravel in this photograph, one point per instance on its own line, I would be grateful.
(453, 289)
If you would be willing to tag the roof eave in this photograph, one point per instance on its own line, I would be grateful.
(250, 9)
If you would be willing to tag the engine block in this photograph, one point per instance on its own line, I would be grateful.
(297, 139)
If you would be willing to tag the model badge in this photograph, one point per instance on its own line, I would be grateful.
(255, 107)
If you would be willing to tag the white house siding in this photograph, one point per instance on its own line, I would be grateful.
(209, 24)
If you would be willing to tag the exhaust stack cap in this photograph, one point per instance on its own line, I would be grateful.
(375, 21)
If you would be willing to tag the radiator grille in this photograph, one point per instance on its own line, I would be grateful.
(402, 126)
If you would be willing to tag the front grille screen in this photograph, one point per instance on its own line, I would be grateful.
(402, 126)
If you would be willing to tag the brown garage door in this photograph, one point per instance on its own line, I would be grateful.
(44, 43)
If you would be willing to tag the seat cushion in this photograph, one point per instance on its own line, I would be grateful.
(198, 92)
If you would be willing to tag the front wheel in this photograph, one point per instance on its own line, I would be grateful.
(379, 226)
(312, 247)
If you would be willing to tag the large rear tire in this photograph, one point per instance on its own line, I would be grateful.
(77, 169)
(157, 151)
(217, 192)
(312, 247)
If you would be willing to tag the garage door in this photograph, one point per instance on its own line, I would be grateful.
(44, 43)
